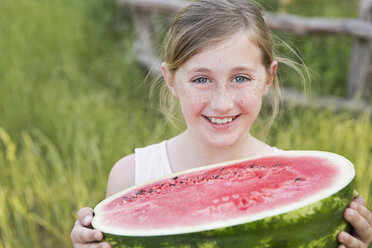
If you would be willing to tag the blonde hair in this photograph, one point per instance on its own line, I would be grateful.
(205, 23)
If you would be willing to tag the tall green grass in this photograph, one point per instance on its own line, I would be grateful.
(72, 104)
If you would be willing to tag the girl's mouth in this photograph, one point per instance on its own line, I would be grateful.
(221, 120)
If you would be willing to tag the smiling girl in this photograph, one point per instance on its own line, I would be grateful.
(219, 62)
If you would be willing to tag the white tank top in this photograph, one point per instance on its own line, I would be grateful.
(152, 162)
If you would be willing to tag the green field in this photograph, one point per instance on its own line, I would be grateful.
(73, 102)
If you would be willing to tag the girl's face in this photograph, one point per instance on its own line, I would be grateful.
(220, 90)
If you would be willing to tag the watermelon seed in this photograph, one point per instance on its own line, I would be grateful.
(132, 197)
(222, 169)
(298, 179)
(174, 178)
(140, 192)
(181, 181)
(216, 177)
(275, 165)
(172, 184)
(150, 191)
(252, 166)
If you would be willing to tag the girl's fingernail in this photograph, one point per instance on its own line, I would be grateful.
(353, 205)
(343, 236)
(87, 220)
(351, 213)
(97, 236)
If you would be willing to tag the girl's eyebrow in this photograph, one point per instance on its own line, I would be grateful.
(243, 68)
(238, 68)
(200, 69)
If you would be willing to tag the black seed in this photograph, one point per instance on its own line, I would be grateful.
(140, 192)
(203, 178)
(252, 166)
(275, 165)
(150, 191)
(125, 197)
(181, 181)
(222, 169)
(174, 178)
(298, 179)
(172, 184)
(235, 173)
(216, 176)
(132, 197)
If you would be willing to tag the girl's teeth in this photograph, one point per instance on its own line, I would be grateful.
(220, 121)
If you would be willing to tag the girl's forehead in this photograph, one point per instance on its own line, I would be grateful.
(236, 51)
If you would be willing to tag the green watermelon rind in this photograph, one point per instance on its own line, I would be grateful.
(315, 225)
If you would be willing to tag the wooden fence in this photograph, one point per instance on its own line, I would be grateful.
(359, 83)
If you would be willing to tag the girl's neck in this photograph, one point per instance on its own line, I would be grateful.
(186, 151)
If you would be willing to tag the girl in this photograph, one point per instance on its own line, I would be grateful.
(219, 63)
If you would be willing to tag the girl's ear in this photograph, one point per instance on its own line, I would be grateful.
(271, 76)
(168, 78)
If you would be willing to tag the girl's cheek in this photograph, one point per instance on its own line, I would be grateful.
(196, 96)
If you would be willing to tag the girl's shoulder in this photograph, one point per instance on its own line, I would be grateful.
(275, 149)
(121, 175)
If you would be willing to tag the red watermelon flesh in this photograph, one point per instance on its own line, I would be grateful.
(219, 193)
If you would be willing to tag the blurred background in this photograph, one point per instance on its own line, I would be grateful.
(73, 102)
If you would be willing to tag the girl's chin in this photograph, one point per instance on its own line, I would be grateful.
(223, 142)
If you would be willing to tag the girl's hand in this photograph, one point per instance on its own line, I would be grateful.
(361, 220)
(82, 235)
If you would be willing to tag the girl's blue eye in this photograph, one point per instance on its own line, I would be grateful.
(200, 80)
(241, 79)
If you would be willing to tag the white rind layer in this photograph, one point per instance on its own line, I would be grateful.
(346, 175)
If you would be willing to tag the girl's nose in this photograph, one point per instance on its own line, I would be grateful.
(222, 100)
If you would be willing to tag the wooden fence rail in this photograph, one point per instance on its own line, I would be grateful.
(360, 74)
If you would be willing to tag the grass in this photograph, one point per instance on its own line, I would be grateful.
(72, 104)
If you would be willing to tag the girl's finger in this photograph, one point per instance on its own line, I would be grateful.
(361, 227)
(93, 245)
(85, 216)
(360, 200)
(81, 234)
(363, 211)
(349, 241)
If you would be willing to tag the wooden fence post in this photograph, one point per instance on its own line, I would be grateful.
(144, 24)
(360, 75)
(145, 28)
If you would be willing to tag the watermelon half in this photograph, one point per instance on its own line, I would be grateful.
(285, 199)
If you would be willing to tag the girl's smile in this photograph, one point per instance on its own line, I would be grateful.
(221, 122)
